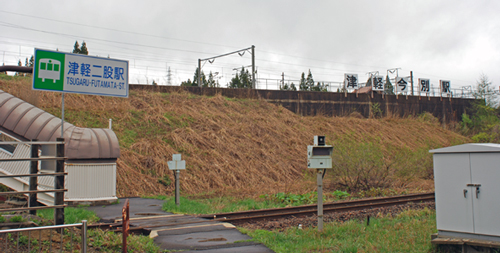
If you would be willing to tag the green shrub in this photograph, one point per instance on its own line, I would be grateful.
(482, 123)
(296, 199)
(340, 194)
(359, 166)
(376, 111)
(17, 218)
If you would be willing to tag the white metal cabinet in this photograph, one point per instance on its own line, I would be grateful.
(485, 171)
(467, 186)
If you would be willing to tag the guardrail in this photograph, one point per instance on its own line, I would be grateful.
(59, 174)
(34, 245)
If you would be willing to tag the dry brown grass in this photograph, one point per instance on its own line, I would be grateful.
(237, 147)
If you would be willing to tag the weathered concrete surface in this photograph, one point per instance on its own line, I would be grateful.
(139, 207)
(241, 248)
(178, 231)
(310, 103)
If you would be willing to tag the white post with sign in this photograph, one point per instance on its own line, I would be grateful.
(177, 164)
(319, 157)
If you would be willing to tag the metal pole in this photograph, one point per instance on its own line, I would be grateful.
(125, 224)
(177, 187)
(199, 73)
(411, 80)
(253, 66)
(282, 79)
(84, 236)
(319, 176)
(59, 184)
(33, 180)
(62, 116)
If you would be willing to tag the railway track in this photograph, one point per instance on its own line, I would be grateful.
(308, 210)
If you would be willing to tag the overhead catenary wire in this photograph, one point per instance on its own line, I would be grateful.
(152, 59)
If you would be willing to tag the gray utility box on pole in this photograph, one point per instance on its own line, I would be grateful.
(319, 156)
(467, 186)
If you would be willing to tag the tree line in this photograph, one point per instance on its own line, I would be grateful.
(31, 62)
(243, 79)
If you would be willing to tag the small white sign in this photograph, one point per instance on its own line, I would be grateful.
(176, 163)
(378, 83)
(402, 84)
(424, 85)
(351, 81)
(445, 86)
(176, 157)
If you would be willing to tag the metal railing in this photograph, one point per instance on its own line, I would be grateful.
(25, 243)
(277, 84)
(59, 174)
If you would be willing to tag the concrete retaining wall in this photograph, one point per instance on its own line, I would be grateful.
(309, 103)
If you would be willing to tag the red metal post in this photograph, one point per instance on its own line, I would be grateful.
(125, 225)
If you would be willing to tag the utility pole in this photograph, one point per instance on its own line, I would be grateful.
(411, 80)
(199, 73)
(239, 52)
(253, 66)
(169, 76)
(282, 79)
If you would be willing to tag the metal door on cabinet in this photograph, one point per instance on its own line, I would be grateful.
(485, 185)
(453, 204)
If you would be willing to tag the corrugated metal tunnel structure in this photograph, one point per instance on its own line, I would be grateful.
(91, 152)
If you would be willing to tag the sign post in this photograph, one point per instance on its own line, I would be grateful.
(319, 157)
(177, 164)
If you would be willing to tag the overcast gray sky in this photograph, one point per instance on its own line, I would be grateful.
(447, 39)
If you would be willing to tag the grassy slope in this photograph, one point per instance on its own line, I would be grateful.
(247, 147)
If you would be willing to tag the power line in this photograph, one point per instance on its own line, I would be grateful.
(91, 38)
(115, 30)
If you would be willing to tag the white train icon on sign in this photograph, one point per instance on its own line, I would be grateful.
(49, 69)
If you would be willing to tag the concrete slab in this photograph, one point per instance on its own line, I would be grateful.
(191, 228)
(257, 248)
(178, 231)
(200, 239)
(139, 207)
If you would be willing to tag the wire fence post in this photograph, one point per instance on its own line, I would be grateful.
(33, 197)
(59, 184)
(84, 236)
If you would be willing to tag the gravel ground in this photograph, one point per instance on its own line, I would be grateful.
(283, 223)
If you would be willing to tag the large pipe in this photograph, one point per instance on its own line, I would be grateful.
(16, 69)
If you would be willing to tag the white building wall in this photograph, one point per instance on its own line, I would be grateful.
(90, 181)
(85, 181)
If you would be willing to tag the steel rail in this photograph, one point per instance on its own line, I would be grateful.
(327, 208)
(296, 211)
